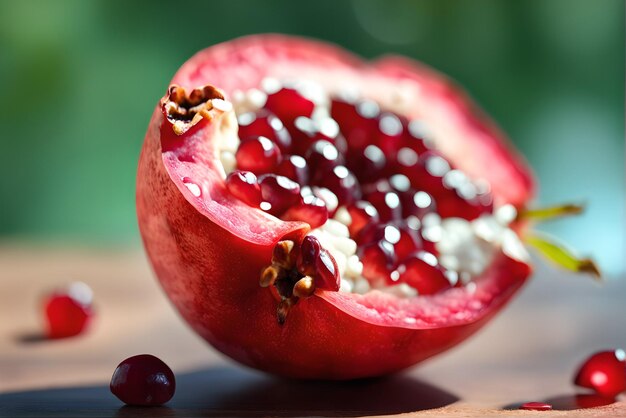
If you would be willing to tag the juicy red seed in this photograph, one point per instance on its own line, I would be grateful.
(264, 123)
(258, 154)
(367, 163)
(428, 173)
(327, 277)
(423, 272)
(357, 119)
(322, 157)
(604, 372)
(387, 204)
(243, 185)
(364, 126)
(279, 192)
(309, 251)
(342, 183)
(378, 260)
(143, 380)
(450, 204)
(312, 210)
(427, 243)
(306, 131)
(362, 213)
(416, 203)
(407, 162)
(462, 198)
(407, 242)
(295, 168)
(66, 316)
(288, 104)
(536, 406)
(343, 110)
(315, 261)
(389, 133)
(416, 136)
(370, 232)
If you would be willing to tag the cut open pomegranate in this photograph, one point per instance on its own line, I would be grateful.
(316, 216)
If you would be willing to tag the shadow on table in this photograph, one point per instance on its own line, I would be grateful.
(230, 391)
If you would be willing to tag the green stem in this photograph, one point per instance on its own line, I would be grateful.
(558, 253)
(551, 212)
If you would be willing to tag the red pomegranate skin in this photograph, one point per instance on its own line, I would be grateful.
(196, 238)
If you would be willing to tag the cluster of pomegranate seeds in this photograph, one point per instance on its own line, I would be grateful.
(604, 372)
(143, 380)
(301, 160)
(69, 311)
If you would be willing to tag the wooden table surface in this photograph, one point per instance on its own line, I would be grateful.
(528, 353)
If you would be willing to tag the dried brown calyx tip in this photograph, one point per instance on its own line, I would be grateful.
(185, 110)
(289, 283)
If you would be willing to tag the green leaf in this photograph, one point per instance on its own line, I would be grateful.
(543, 214)
(559, 254)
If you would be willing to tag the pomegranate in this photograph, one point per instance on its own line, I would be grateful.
(143, 380)
(316, 216)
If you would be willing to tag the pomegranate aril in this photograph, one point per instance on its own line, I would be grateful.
(68, 312)
(306, 131)
(294, 167)
(367, 164)
(309, 250)
(312, 210)
(450, 204)
(362, 213)
(378, 260)
(357, 119)
(143, 380)
(389, 133)
(322, 157)
(327, 277)
(264, 123)
(462, 198)
(258, 154)
(243, 185)
(342, 183)
(604, 372)
(387, 204)
(279, 192)
(407, 163)
(414, 137)
(416, 203)
(408, 242)
(343, 110)
(536, 406)
(427, 174)
(315, 261)
(423, 272)
(288, 104)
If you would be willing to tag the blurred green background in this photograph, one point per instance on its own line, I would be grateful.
(80, 79)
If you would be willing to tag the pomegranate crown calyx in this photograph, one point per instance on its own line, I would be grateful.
(184, 111)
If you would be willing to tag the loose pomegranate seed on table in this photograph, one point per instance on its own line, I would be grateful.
(604, 372)
(69, 311)
(536, 406)
(143, 380)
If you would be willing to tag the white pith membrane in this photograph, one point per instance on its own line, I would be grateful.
(465, 248)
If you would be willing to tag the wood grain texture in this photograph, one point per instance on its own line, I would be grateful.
(528, 353)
